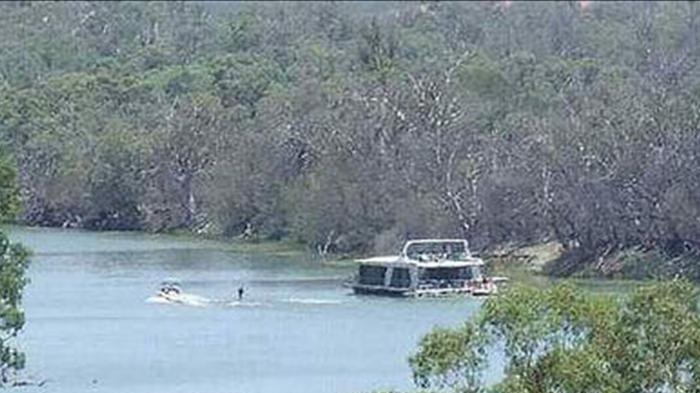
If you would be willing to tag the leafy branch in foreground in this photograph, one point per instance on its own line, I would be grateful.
(14, 260)
(563, 339)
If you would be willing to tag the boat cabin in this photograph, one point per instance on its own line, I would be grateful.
(424, 267)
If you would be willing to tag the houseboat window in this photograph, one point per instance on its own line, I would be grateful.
(466, 273)
(442, 273)
(372, 275)
(400, 278)
(475, 272)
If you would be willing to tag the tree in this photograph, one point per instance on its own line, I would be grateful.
(563, 339)
(119, 161)
(13, 263)
(192, 134)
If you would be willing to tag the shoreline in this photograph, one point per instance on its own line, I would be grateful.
(519, 260)
(279, 248)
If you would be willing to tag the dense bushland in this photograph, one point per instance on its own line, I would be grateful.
(351, 126)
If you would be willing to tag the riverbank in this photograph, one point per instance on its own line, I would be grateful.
(265, 247)
(243, 245)
(623, 263)
(547, 258)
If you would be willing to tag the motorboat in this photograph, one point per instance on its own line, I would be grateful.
(425, 267)
(170, 292)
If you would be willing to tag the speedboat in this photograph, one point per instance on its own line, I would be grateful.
(171, 292)
(425, 267)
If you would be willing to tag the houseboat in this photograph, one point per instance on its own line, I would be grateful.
(426, 267)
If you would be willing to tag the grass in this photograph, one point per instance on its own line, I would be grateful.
(283, 247)
(530, 258)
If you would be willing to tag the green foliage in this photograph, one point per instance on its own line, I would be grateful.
(9, 192)
(13, 262)
(565, 340)
(482, 76)
(120, 158)
(377, 50)
(242, 32)
(243, 81)
(450, 358)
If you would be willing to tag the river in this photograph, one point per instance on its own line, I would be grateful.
(90, 329)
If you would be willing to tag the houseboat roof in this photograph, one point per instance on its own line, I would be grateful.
(464, 263)
(429, 253)
(460, 245)
(399, 260)
(417, 241)
(379, 260)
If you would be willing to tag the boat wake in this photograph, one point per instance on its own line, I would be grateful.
(239, 303)
(183, 299)
(157, 300)
(171, 293)
(312, 301)
(198, 301)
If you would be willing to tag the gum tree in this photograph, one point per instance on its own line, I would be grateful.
(563, 339)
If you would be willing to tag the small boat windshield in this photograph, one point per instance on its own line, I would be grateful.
(169, 287)
(434, 251)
